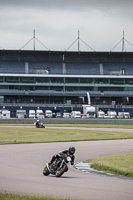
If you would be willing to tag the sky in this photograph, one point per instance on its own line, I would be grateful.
(99, 25)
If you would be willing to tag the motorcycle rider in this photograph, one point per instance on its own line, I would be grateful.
(37, 123)
(70, 152)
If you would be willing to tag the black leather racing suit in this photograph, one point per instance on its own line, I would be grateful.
(65, 152)
(37, 124)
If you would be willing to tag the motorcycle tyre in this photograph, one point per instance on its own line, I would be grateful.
(46, 171)
(61, 171)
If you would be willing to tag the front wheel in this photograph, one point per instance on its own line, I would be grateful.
(46, 171)
(61, 171)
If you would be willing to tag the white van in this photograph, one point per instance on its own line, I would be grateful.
(100, 114)
(32, 114)
(126, 115)
(75, 114)
(20, 114)
(120, 115)
(112, 114)
(39, 114)
(123, 115)
(66, 115)
(48, 113)
(5, 114)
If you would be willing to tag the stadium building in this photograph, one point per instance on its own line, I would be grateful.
(58, 77)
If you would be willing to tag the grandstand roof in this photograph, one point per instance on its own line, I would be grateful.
(65, 56)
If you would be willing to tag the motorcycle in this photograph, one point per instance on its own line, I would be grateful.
(58, 167)
(40, 125)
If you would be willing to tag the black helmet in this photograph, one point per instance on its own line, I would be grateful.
(72, 150)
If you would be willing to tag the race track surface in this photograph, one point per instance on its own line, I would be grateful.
(21, 167)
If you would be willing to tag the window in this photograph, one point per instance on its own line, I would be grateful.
(87, 80)
(27, 79)
(117, 81)
(57, 80)
(129, 81)
(12, 79)
(71, 80)
(42, 80)
(1, 79)
(101, 81)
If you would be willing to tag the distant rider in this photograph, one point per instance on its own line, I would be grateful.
(37, 123)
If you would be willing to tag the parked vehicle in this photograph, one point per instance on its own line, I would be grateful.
(5, 114)
(66, 115)
(120, 115)
(89, 111)
(58, 167)
(39, 114)
(83, 116)
(112, 114)
(126, 115)
(107, 116)
(32, 114)
(48, 113)
(75, 114)
(58, 115)
(21, 114)
(100, 114)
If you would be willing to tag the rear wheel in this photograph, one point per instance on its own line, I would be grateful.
(61, 171)
(46, 171)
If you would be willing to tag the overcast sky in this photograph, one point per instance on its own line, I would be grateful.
(56, 23)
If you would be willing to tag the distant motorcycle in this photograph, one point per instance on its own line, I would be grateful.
(39, 125)
(58, 167)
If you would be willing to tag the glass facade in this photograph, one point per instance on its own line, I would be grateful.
(79, 83)
(65, 80)
(62, 88)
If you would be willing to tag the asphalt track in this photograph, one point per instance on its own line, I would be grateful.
(21, 168)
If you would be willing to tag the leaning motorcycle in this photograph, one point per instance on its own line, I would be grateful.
(40, 125)
(58, 167)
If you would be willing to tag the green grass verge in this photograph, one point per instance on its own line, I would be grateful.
(13, 135)
(122, 165)
(26, 197)
(127, 126)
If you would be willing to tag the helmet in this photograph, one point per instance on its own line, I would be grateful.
(72, 150)
(38, 120)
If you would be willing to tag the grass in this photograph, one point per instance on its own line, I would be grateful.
(26, 197)
(122, 165)
(127, 126)
(118, 164)
(13, 135)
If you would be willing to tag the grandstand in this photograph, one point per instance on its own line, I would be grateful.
(58, 77)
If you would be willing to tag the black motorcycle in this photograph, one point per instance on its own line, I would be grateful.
(58, 167)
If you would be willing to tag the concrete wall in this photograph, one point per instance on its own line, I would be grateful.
(68, 121)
